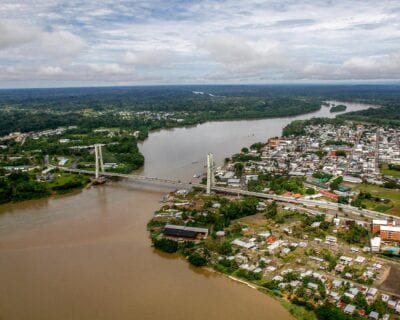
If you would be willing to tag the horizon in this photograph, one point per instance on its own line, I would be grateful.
(64, 44)
(289, 84)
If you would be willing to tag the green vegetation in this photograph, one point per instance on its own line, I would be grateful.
(355, 235)
(338, 108)
(237, 209)
(197, 259)
(324, 177)
(338, 143)
(297, 127)
(166, 245)
(391, 170)
(19, 186)
(334, 185)
(393, 195)
(32, 110)
(331, 312)
(395, 167)
(278, 183)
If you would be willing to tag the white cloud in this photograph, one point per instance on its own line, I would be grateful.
(108, 69)
(206, 40)
(148, 57)
(238, 55)
(50, 71)
(61, 43)
(12, 35)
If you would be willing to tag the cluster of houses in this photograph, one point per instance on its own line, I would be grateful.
(21, 136)
(275, 254)
(351, 151)
(264, 253)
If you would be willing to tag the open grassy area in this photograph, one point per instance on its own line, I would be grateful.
(66, 182)
(386, 171)
(392, 194)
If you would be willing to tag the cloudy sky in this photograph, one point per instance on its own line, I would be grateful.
(109, 42)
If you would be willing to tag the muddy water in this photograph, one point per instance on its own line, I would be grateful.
(181, 152)
(88, 256)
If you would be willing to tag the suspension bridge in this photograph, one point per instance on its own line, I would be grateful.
(210, 186)
(100, 172)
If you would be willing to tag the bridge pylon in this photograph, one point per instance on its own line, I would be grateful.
(210, 172)
(99, 160)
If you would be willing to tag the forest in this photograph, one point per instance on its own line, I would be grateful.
(36, 109)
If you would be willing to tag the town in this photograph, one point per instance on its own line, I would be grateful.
(319, 259)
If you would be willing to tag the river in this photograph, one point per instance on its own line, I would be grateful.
(87, 255)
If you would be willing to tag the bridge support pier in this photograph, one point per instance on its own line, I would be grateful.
(210, 172)
(99, 160)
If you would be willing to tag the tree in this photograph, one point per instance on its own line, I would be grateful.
(239, 169)
(258, 146)
(334, 185)
(166, 245)
(225, 248)
(310, 191)
(197, 259)
(272, 210)
(360, 302)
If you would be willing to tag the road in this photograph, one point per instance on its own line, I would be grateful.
(311, 203)
(339, 208)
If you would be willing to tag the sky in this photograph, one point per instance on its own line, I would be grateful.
(57, 43)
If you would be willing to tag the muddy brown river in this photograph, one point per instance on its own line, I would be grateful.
(87, 255)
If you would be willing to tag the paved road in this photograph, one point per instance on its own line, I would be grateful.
(312, 203)
(309, 203)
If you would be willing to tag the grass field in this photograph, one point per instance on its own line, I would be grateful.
(386, 171)
(392, 194)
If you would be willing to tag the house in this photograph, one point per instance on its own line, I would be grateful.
(337, 283)
(243, 244)
(330, 239)
(372, 292)
(328, 194)
(312, 285)
(234, 182)
(349, 309)
(334, 295)
(62, 162)
(182, 192)
(345, 259)
(359, 259)
(373, 315)
(171, 230)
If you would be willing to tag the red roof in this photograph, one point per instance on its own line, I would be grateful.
(329, 194)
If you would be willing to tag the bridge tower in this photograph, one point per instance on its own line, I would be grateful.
(210, 172)
(99, 160)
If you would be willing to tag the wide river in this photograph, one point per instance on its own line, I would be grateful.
(88, 256)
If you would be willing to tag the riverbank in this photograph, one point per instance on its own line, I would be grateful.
(279, 249)
(90, 258)
(184, 249)
(297, 312)
(91, 255)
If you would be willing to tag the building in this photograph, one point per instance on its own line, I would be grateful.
(375, 244)
(171, 230)
(390, 233)
(350, 309)
(378, 223)
(373, 315)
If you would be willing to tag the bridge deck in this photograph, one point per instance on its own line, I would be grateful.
(315, 203)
